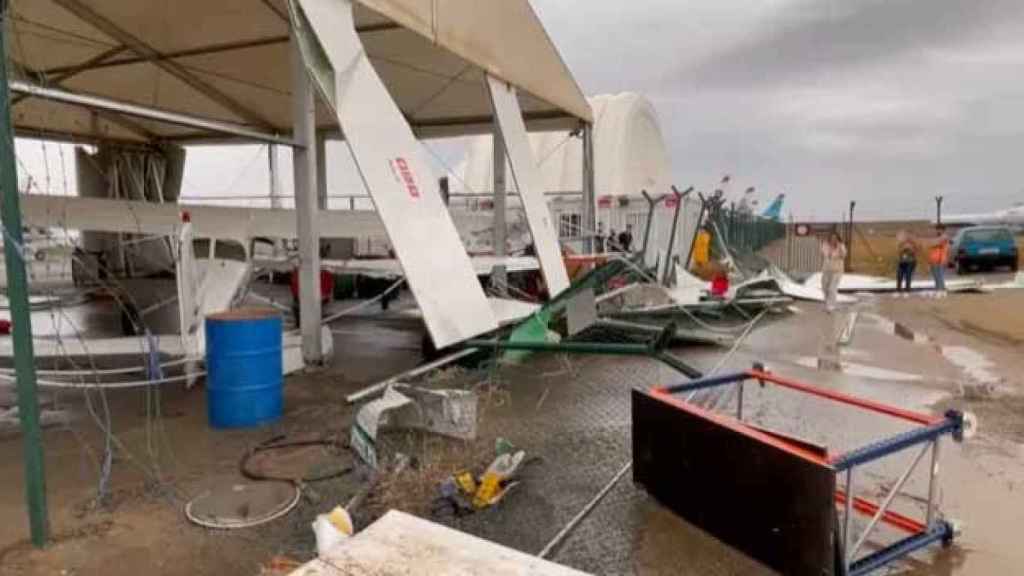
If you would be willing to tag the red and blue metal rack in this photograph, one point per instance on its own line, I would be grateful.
(773, 496)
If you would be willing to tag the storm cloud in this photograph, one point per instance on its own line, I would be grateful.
(888, 103)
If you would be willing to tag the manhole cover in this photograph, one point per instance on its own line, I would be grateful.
(241, 505)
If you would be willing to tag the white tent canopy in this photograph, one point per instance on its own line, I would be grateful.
(228, 61)
(629, 153)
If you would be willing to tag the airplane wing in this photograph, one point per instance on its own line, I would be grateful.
(392, 268)
(218, 222)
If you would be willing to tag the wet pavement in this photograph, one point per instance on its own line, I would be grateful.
(582, 436)
(574, 414)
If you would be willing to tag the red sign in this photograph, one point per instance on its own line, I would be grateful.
(604, 201)
(401, 169)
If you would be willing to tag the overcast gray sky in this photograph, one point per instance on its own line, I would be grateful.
(886, 102)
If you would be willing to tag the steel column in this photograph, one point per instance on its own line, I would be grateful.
(304, 168)
(846, 519)
(696, 230)
(17, 293)
(933, 473)
(500, 231)
(589, 216)
(274, 169)
(321, 171)
(672, 237)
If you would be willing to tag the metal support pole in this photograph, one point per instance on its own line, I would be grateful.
(696, 230)
(500, 210)
(846, 519)
(849, 238)
(938, 210)
(651, 204)
(739, 401)
(672, 236)
(589, 215)
(321, 171)
(933, 476)
(304, 161)
(17, 294)
(274, 170)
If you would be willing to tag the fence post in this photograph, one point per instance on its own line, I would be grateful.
(21, 316)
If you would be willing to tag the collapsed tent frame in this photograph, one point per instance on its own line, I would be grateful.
(306, 141)
(928, 434)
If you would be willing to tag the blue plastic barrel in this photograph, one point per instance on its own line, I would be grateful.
(243, 367)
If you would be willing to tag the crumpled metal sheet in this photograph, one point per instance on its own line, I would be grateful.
(450, 413)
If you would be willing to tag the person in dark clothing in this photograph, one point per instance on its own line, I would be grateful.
(626, 239)
(908, 249)
(613, 241)
(599, 239)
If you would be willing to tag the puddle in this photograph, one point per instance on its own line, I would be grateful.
(896, 329)
(976, 365)
(978, 368)
(862, 370)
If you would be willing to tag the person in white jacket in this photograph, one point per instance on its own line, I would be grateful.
(833, 264)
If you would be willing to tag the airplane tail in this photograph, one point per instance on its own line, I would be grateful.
(774, 210)
(188, 281)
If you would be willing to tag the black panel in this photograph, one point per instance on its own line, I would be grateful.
(774, 506)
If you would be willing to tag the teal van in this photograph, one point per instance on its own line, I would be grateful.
(983, 246)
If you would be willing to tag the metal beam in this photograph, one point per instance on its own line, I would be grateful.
(274, 171)
(21, 318)
(121, 121)
(146, 112)
(304, 171)
(321, 171)
(589, 216)
(111, 29)
(500, 209)
(162, 56)
(51, 78)
(103, 60)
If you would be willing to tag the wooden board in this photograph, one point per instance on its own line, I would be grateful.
(399, 544)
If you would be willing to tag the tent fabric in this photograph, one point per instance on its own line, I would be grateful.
(229, 61)
(629, 153)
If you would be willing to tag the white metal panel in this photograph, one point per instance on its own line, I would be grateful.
(389, 267)
(221, 222)
(400, 180)
(527, 179)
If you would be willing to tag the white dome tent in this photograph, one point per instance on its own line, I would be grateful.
(629, 152)
(629, 156)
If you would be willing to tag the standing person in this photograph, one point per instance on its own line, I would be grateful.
(613, 240)
(907, 249)
(626, 239)
(938, 256)
(702, 248)
(833, 265)
(599, 238)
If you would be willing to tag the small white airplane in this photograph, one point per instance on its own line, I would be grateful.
(1012, 217)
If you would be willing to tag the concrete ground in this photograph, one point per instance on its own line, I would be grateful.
(573, 414)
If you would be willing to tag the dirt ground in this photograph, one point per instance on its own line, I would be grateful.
(571, 413)
(874, 249)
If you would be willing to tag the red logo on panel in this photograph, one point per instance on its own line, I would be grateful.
(401, 168)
